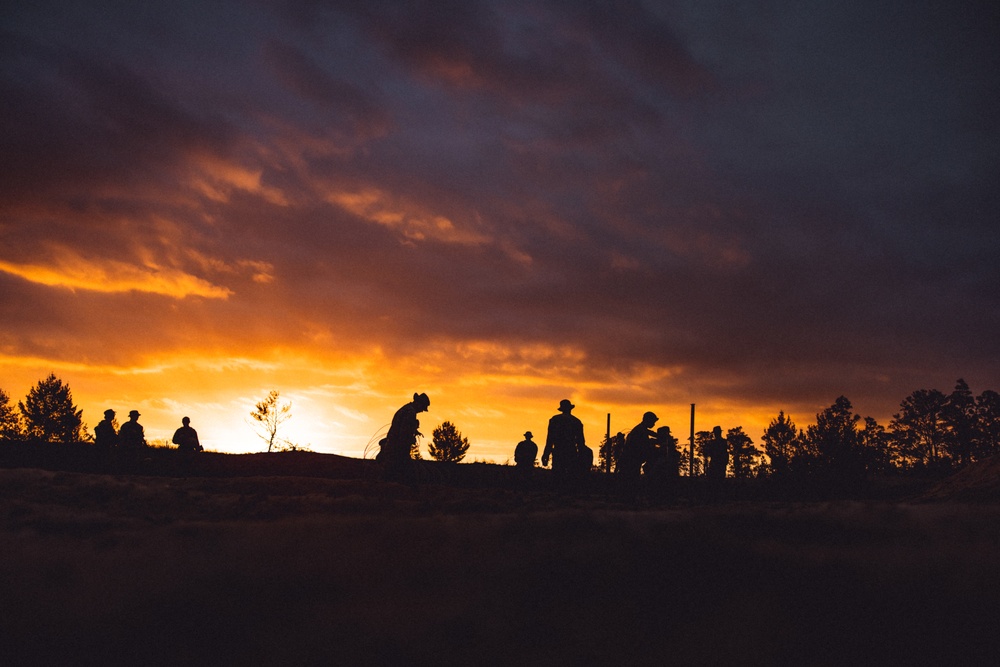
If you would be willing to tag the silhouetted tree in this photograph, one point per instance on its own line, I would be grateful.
(779, 443)
(701, 445)
(607, 455)
(49, 414)
(835, 438)
(875, 448)
(448, 444)
(269, 416)
(959, 417)
(685, 463)
(987, 424)
(10, 419)
(918, 429)
(744, 457)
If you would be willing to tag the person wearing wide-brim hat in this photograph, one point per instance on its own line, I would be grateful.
(131, 436)
(526, 452)
(564, 442)
(403, 432)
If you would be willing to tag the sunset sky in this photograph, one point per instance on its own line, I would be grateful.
(635, 205)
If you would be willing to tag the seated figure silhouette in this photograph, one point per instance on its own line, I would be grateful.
(403, 433)
(526, 452)
(186, 438)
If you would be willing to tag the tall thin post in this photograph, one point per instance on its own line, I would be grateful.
(691, 451)
(607, 445)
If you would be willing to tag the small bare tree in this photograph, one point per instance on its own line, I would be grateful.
(269, 415)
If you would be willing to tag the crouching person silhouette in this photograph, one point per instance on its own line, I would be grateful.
(404, 430)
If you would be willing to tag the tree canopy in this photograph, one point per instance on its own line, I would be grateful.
(49, 414)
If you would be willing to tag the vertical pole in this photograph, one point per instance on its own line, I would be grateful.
(607, 451)
(691, 451)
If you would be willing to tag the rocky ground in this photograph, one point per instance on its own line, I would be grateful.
(311, 559)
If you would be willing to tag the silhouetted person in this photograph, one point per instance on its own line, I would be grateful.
(669, 455)
(186, 438)
(662, 467)
(564, 441)
(131, 439)
(718, 455)
(584, 459)
(637, 450)
(403, 433)
(526, 452)
(106, 438)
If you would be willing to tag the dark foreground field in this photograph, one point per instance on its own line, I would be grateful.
(312, 566)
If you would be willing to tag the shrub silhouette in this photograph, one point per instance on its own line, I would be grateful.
(448, 444)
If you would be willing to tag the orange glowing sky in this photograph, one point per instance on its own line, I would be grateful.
(501, 205)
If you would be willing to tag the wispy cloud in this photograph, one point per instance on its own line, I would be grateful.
(73, 272)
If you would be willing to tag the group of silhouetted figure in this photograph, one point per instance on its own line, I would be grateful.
(124, 448)
(643, 452)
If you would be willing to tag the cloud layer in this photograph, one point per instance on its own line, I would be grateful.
(636, 203)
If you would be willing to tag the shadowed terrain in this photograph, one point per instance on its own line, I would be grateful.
(237, 567)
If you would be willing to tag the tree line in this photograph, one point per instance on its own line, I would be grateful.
(933, 433)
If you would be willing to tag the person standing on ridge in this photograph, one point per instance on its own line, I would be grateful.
(718, 455)
(106, 438)
(131, 439)
(564, 441)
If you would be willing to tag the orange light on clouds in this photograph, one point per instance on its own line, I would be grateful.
(383, 208)
(71, 271)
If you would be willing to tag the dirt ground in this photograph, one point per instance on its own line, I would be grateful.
(349, 569)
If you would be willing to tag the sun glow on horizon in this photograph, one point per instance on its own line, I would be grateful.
(492, 393)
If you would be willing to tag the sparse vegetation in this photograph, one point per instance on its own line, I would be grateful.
(268, 416)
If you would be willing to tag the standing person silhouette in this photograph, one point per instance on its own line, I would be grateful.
(106, 438)
(402, 436)
(563, 442)
(718, 455)
(131, 439)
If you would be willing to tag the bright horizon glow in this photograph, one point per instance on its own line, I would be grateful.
(337, 410)
(504, 207)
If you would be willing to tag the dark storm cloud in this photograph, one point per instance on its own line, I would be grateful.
(785, 201)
